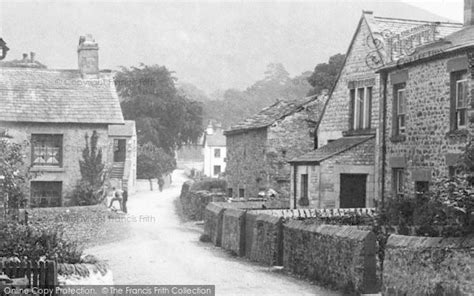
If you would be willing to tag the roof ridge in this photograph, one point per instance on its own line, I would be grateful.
(420, 21)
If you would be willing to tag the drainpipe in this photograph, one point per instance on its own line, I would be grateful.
(384, 133)
(295, 172)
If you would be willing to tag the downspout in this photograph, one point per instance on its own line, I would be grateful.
(384, 134)
(295, 172)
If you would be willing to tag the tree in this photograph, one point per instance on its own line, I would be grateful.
(90, 189)
(325, 74)
(153, 162)
(14, 174)
(164, 116)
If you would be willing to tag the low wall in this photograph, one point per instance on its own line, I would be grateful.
(428, 266)
(323, 213)
(84, 274)
(233, 231)
(213, 222)
(264, 238)
(341, 256)
(86, 224)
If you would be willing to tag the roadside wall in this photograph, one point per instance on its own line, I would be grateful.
(428, 266)
(233, 231)
(264, 238)
(341, 256)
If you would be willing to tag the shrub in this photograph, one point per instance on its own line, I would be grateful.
(34, 243)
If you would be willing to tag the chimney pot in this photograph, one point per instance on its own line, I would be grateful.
(468, 13)
(88, 56)
(32, 57)
(25, 57)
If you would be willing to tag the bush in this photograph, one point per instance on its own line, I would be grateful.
(33, 243)
(210, 184)
(85, 194)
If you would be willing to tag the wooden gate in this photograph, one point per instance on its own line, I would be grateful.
(38, 274)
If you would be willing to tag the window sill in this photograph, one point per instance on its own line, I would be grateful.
(398, 138)
(359, 132)
(47, 169)
(460, 133)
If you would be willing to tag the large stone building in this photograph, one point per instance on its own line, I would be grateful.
(51, 112)
(427, 112)
(342, 172)
(258, 148)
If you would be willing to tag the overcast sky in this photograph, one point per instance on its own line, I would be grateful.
(214, 45)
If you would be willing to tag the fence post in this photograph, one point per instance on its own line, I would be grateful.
(51, 274)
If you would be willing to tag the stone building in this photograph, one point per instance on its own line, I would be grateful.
(51, 112)
(259, 147)
(427, 112)
(214, 150)
(342, 172)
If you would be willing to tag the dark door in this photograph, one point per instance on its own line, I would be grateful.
(353, 191)
(119, 150)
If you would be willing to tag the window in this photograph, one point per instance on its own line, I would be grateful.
(46, 150)
(45, 194)
(421, 187)
(361, 108)
(230, 192)
(304, 200)
(399, 109)
(398, 182)
(459, 100)
(241, 192)
(217, 153)
(217, 169)
(461, 103)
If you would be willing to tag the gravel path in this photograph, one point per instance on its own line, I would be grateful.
(163, 250)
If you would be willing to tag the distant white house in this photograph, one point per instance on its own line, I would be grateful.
(214, 147)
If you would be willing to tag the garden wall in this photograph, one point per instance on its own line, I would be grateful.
(428, 266)
(264, 238)
(233, 231)
(86, 224)
(195, 196)
(341, 256)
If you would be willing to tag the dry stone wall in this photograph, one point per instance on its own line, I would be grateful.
(341, 256)
(233, 231)
(428, 266)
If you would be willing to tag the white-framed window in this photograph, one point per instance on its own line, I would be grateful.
(398, 181)
(361, 103)
(45, 194)
(217, 169)
(462, 96)
(401, 110)
(217, 152)
(46, 150)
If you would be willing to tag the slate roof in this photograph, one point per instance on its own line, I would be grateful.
(332, 148)
(270, 114)
(215, 139)
(123, 130)
(57, 96)
(458, 40)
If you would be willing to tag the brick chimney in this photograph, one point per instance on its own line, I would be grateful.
(468, 13)
(88, 56)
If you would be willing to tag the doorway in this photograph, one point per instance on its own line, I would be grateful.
(120, 150)
(353, 191)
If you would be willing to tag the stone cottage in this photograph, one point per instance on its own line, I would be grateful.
(51, 112)
(259, 147)
(342, 172)
(214, 150)
(428, 114)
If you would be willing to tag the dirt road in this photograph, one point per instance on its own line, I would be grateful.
(162, 250)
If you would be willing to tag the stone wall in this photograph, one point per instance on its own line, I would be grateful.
(341, 256)
(426, 150)
(84, 274)
(264, 238)
(73, 144)
(233, 231)
(428, 266)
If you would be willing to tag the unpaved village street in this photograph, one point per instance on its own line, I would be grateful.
(167, 251)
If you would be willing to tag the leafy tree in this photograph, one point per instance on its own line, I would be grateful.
(90, 189)
(325, 74)
(153, 162)
(164, 116)
(14, 174)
